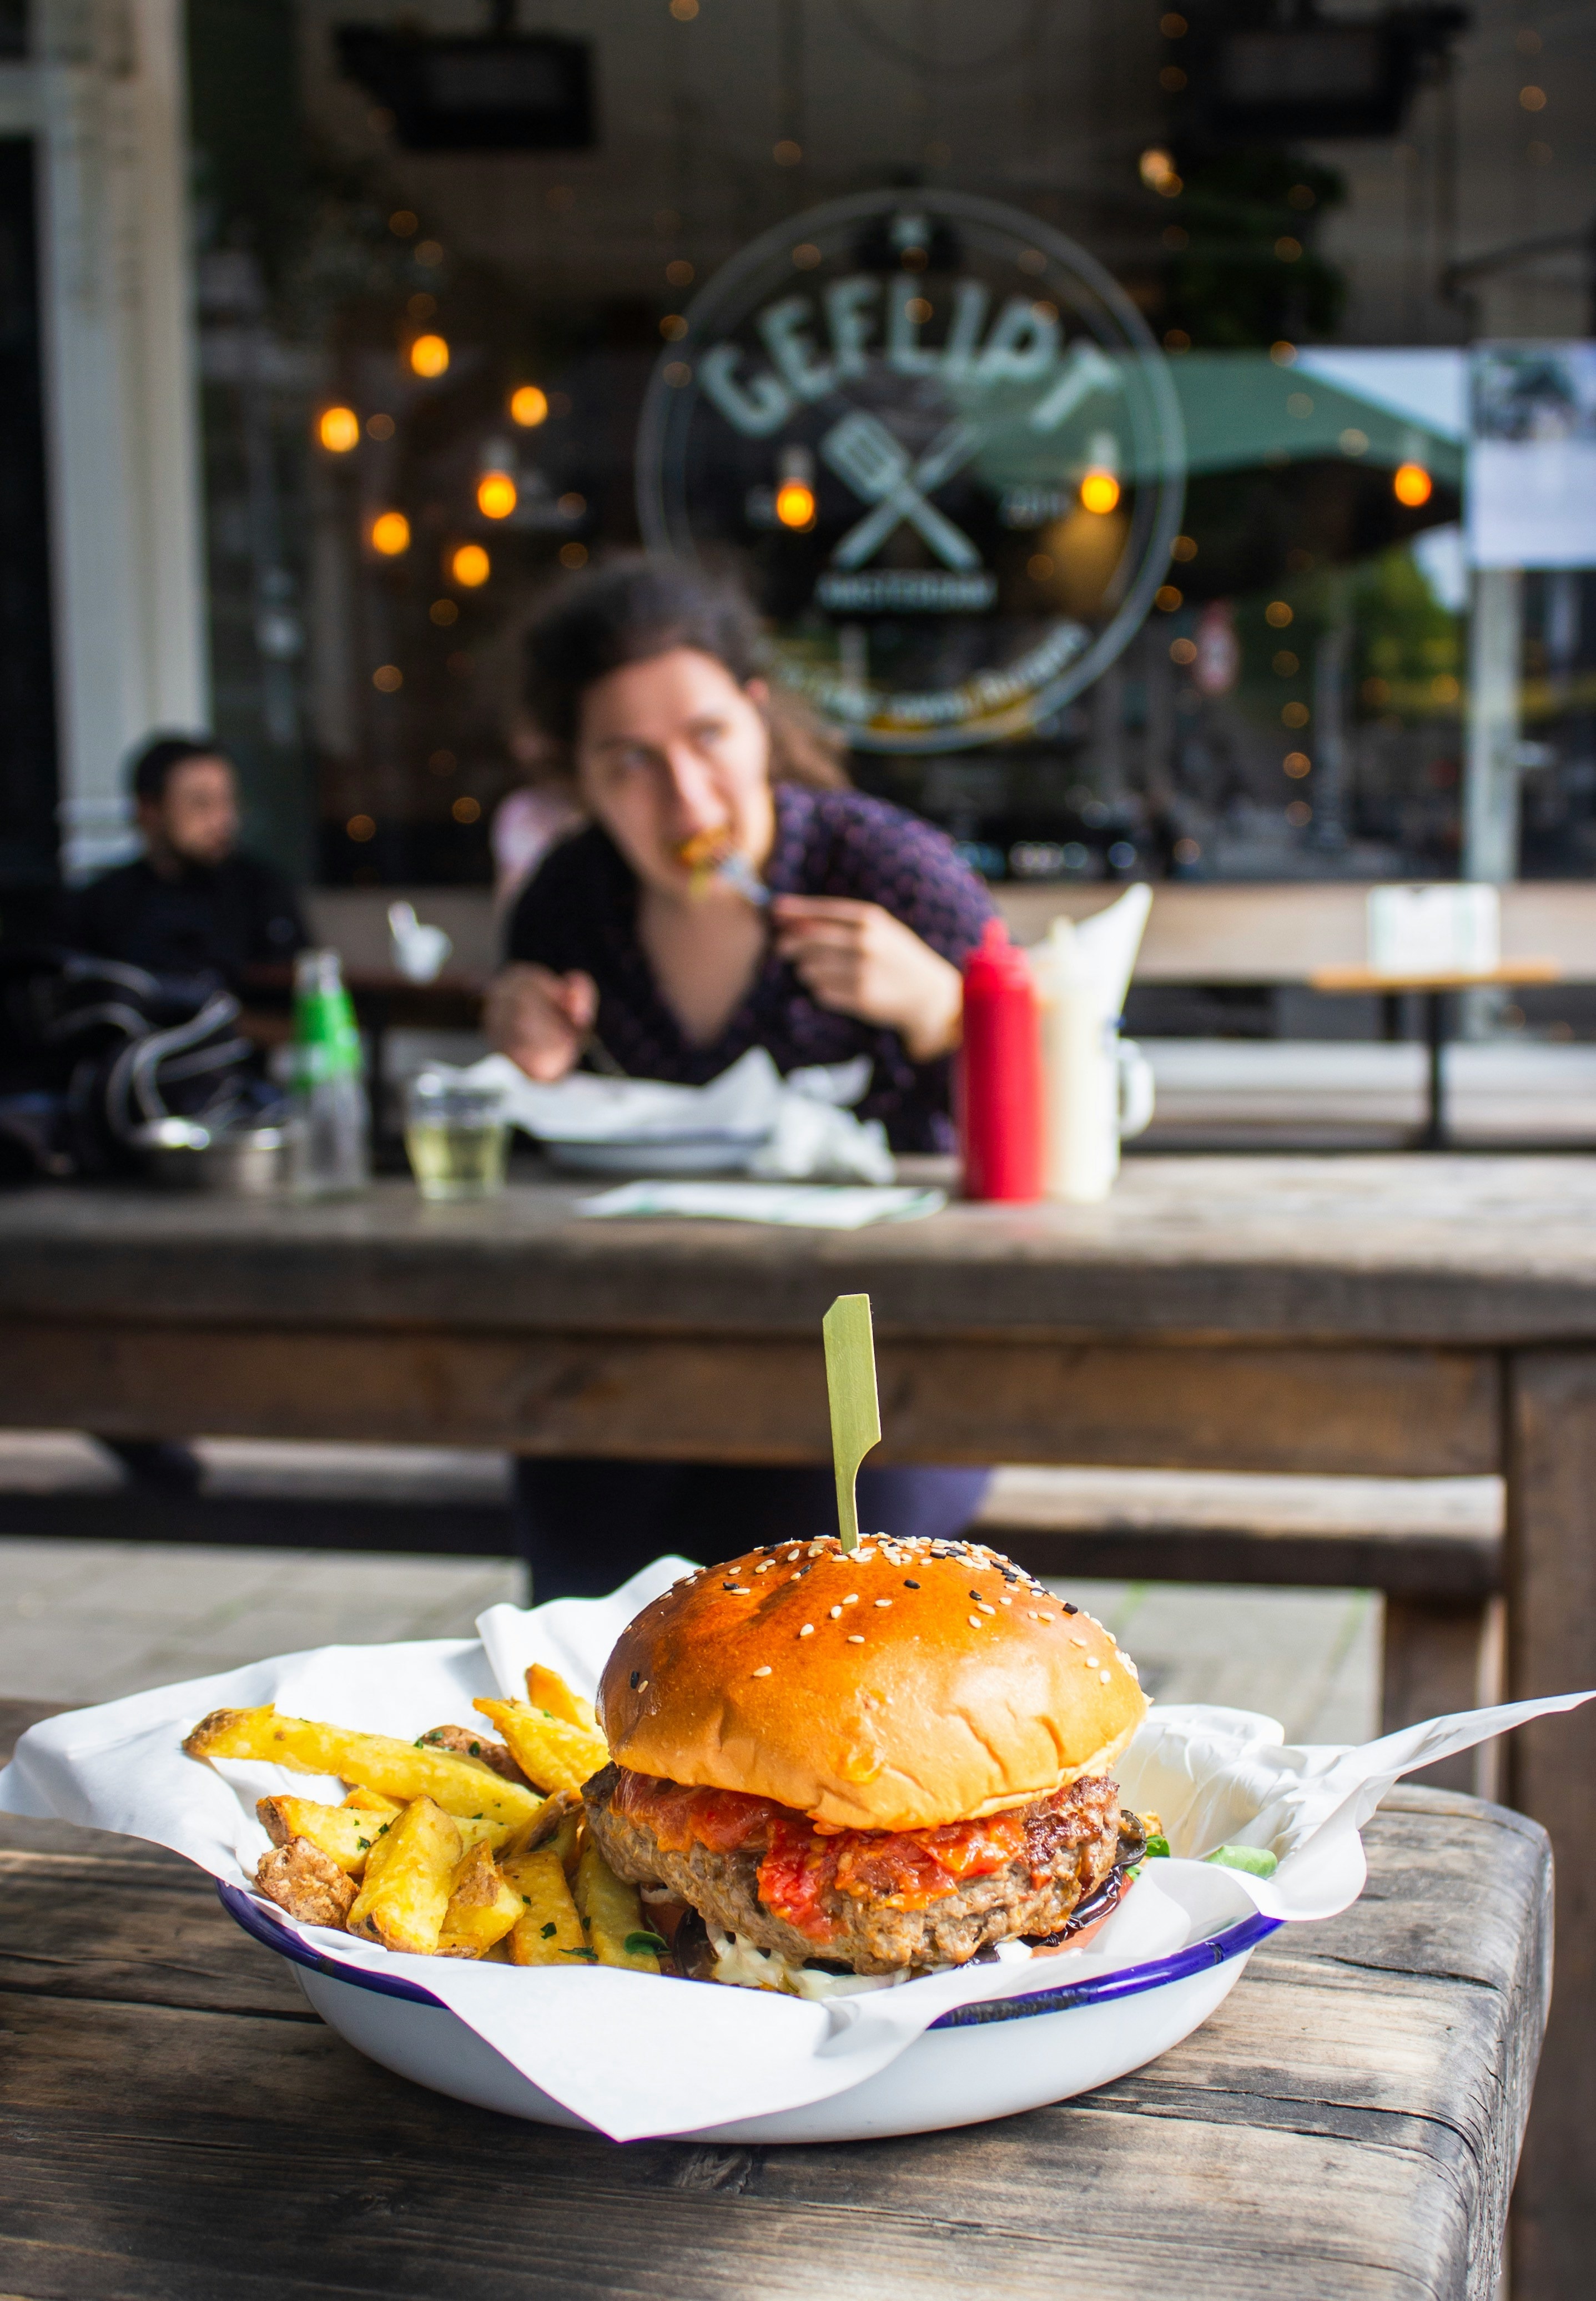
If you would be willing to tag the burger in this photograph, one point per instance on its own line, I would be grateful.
(834, 1770)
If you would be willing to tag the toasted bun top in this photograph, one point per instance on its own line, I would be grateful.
(909, 1685)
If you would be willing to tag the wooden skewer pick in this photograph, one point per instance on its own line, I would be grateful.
(856, 1412)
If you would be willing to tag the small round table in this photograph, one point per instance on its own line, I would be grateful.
(1437, 988)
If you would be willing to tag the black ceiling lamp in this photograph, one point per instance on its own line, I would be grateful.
(1274, 72)
(500, 91)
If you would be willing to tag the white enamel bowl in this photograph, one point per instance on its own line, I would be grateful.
(978, 2062)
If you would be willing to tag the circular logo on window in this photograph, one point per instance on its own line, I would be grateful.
(943, 446)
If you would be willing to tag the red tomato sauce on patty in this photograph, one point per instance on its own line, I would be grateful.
(799, 1867)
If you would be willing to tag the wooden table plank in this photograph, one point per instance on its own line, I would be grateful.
(173, 2121)
(1449, 1251)
(1510, 972)
(16, 1717)
(340, 2179)
(1552, 1644)
(1428, 1413)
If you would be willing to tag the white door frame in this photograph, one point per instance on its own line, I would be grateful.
(104, 97)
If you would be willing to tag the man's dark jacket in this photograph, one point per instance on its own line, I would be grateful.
(221, 921)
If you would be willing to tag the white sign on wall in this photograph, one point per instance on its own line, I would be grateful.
(944, 446)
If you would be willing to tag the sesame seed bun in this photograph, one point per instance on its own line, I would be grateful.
(949, 1684)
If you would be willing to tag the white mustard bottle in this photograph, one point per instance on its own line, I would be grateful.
(1080, 1070)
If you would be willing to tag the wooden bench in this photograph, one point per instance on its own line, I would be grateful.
(1282, 934)
(1197, 934)
(178, 2124)
(434, 1503)
(1430, 1546)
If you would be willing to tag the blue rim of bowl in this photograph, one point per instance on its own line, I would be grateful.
(1129, 1981)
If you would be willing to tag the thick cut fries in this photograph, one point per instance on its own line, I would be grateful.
(434, 1852)
(549, 1752)
(567, 1843)
(474, 1832)
(548, 1931)
(460, 1786)
(306, 1883)
(613, 1914)
(373, 1802)
(402, 1906)
(463, 1742)
(376, 1858)
(483, 1907)
(545, 1689)
(345, 1834)
(559, 1818)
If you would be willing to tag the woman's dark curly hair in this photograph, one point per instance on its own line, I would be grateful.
(631, 609)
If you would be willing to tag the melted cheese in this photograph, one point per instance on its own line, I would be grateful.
(742, 1965)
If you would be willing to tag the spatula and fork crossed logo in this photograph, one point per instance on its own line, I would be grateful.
(882, 472)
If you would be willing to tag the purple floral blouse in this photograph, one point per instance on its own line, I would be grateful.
(579, 910)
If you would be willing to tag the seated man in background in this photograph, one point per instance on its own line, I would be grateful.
(193, 904)
(191, 907)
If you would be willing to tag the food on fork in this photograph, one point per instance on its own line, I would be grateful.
(704, 849)
(714, 855)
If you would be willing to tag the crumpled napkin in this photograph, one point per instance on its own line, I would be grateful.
(637, 2055)
(793, 1129)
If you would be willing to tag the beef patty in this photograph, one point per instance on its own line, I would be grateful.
(874, 1902)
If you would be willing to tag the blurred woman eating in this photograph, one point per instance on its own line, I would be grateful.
(728, 891)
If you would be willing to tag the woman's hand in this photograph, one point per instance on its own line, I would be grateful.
(858, 960)
(541, 1020)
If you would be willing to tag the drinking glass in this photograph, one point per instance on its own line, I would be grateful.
(457, 1135)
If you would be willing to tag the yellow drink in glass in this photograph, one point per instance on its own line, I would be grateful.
(457, 1137)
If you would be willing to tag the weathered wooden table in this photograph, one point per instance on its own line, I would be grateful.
(1411, 1315)
(176, 2123)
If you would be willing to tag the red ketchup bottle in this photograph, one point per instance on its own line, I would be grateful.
(1000, 1073)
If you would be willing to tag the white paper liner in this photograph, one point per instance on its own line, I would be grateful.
(637, 2055)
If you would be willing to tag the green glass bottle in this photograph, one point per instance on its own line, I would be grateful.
(329, 1137)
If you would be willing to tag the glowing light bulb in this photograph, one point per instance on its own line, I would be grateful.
(390, 534)
(1412, 485)
(495, 495)
(794, 503)
(471, 566)
(528, 406)
(339, 430)
(1099, 491)
(430, 356)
